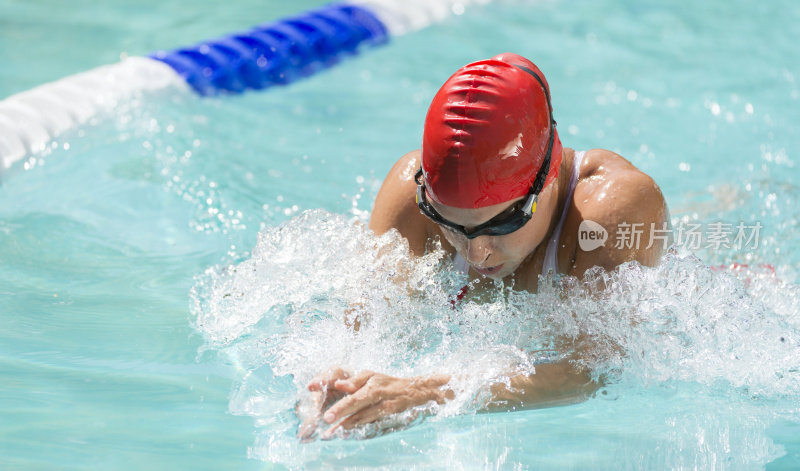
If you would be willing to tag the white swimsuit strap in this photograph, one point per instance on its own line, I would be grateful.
(551, 253)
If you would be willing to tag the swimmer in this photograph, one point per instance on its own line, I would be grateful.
(494, 185)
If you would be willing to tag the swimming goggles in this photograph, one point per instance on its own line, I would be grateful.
(512, 218)
(506, 222)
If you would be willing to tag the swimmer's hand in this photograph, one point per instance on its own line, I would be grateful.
(366, 397)
(310, 409)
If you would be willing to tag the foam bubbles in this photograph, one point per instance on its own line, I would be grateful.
(281, 316)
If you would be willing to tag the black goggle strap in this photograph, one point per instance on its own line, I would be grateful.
(428, 210)
(541, 176)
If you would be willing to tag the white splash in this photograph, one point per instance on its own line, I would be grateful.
(280, 317)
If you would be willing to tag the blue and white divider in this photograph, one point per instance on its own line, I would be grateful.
(271, 54)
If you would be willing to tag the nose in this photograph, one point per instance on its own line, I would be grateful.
(478, 250)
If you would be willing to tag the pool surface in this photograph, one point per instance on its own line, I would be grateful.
(173, 271)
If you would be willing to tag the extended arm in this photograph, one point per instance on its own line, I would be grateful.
(553, 384)
(367, 397)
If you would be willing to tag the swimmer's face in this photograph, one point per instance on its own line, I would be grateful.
(498, 256)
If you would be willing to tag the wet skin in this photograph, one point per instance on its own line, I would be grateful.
(610, 191)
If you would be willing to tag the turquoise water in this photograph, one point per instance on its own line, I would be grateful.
(128, 341)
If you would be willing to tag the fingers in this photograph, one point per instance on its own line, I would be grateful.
(357, 399)
(309, 411)
(324, 393)
(378, 413)
(364, 416)
(371, 414)
(363, 397)
(308, 406)
(307, 429)
(355, 383)
(324, 380)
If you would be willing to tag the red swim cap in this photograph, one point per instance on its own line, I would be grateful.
(487, 132)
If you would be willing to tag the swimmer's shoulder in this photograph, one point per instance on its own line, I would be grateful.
(625, 201)
(396, 206)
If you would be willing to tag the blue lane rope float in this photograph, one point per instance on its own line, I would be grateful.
(276, 53)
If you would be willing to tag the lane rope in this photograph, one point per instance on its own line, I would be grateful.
(276, 53)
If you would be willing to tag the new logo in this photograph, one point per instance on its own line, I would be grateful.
(591, 235)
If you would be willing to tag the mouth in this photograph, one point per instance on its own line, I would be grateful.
(489, 271)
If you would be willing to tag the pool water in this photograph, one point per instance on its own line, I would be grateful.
(171, 273)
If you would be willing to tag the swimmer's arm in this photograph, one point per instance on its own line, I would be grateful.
(396, 207)
(356, 399)
(552, 384)
(366, 397)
